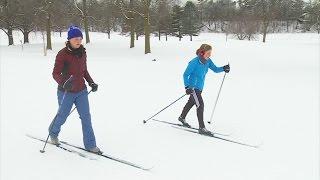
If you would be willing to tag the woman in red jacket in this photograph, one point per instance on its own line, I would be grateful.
(70, 72)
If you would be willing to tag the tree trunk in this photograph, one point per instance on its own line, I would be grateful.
(159, 34)
(10, 37)
(8, 24)
(222, 26)
(131, 33)
(166, 37)
(44, 44)
(26, 37)
(264, 31)
(147, 34)
(108, 29)
(147, 48)
(297, 25)
(26, 30)
(190, 37)
(48, 29)
(85, 21)
(131, 16)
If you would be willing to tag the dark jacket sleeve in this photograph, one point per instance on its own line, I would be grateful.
(86, 73)
(57, 70)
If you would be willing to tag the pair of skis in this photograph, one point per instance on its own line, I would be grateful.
(215, 135)
(65, 146)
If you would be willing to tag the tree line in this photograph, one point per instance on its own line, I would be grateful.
(245, 19)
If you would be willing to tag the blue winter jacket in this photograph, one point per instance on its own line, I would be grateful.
(195, 74)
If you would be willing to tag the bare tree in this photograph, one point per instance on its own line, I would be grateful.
(145, 14)
(44, 17)
(127, 11)
(84, 17)
(103, 16)
(8, 15)
(266, 11)
(25, 18)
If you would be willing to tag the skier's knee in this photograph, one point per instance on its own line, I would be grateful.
(85, 117)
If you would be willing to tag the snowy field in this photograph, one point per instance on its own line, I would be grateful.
(270, 98)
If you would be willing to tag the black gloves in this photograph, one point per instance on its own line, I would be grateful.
(189, 90)
(94, 87)
(67, 86)
(226, 68)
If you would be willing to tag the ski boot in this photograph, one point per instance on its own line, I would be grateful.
(95, 150)
(184, 123)
(55, 141)
(206, 132)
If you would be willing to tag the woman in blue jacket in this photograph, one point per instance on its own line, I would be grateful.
(194, 77)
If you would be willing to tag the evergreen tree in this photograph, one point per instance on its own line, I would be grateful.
(190, 21)
(162, 18)
(176, 21)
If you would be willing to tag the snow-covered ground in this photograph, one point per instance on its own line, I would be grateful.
(270, 97)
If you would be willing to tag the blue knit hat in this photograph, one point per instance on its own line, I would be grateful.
(73, 32)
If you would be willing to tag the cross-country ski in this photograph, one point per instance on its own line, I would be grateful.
(64, 144)
(63, 148)
(214, 135)
(109, 157)
(190, 127)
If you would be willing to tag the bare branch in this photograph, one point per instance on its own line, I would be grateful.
(75, 4)
(95, 19)
(4, 31)
(126, 10)
(121, 9)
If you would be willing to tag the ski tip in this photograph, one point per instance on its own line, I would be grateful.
(150, 168)
(254, 146)
(258, 146)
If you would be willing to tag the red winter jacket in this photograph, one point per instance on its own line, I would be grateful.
(68, 64)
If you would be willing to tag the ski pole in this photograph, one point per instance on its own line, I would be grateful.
(144, 121)
(215, 104)
(54, 119)
(45, 144)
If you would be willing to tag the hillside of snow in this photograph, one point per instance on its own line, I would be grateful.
(270, 98)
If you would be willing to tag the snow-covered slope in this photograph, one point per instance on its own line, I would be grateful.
(271, 97)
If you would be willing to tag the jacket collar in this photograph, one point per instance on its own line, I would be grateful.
(77, 52)
(202, 60)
